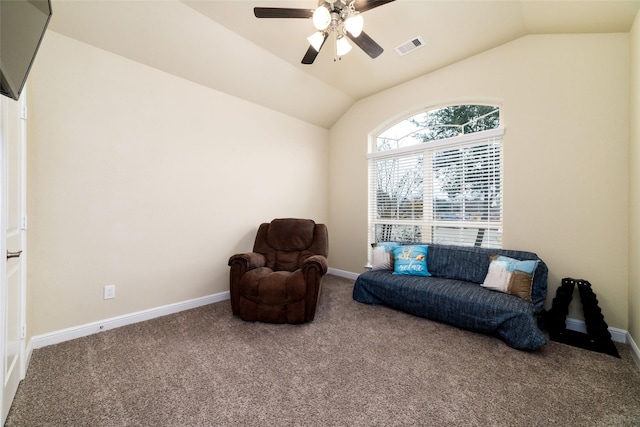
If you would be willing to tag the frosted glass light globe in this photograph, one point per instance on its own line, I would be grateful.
(342, 46)
(321, 18)
(354, 25)
(316, 40)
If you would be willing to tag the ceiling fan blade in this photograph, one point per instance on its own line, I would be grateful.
(281, 12)
(312, 53)
(366, 43)
(364, 5)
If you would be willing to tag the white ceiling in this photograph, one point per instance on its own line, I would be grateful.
(221, 45)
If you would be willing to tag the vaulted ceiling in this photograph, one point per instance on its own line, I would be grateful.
(221, 45)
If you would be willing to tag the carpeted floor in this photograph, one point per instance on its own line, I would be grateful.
(354, 365)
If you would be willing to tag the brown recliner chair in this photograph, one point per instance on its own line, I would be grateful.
(280, 281)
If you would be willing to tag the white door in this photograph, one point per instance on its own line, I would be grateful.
(13, 224)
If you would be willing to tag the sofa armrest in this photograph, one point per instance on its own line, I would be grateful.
(315, 261)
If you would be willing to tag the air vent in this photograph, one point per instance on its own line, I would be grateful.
(409, 46)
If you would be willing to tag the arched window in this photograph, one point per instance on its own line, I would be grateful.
(436, 177)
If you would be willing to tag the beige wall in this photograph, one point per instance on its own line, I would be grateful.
(152, 189)
(634, 194)
(565, 107)
(150, 182)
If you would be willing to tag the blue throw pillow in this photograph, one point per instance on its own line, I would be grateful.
(410, 260)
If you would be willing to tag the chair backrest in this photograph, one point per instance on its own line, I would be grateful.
(287, 242)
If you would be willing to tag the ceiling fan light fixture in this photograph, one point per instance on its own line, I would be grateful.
(316, 40)
(321, 18)
(354, 24)
(339, 19)
(342, 46)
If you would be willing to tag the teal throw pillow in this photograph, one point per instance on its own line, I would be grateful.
(410, 259)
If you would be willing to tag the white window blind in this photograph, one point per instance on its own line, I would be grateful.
(445, 191)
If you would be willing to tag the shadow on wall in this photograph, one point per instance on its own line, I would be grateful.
(245, 244)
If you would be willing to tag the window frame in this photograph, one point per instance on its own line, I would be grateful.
(429, 222)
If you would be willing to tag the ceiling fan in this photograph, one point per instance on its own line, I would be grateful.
(338, 17)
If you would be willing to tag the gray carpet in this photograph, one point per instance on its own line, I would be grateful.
(354, 365)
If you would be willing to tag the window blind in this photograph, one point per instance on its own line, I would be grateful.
(446, 191)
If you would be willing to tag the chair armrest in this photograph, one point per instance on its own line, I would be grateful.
(240, 264)
(315, 261)
(248, 261)
(313, 268)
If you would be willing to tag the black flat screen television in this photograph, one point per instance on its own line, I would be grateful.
(22, 26)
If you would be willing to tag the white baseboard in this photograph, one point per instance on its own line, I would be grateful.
(617, 335)
(343, 273)
(56, 337)
(635, 351)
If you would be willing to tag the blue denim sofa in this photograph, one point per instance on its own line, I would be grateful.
(453, 295)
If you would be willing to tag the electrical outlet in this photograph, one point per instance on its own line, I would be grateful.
(109, 291)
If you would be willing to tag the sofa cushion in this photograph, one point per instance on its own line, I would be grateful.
(459, 263)
(471, 264)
